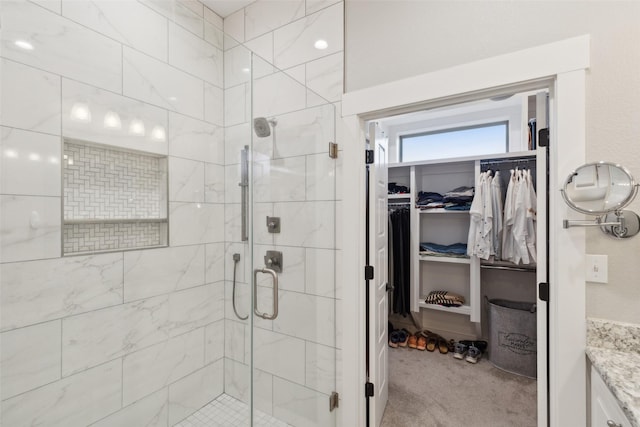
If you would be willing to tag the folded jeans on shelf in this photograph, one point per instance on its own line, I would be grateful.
(454, 249)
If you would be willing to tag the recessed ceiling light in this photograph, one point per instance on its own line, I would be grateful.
(321, 44)
(246, 70)
(23, 44)
(34, 157)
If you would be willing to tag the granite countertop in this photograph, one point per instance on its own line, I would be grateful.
(614, 351)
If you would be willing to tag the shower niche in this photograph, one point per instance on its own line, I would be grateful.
(114, 199)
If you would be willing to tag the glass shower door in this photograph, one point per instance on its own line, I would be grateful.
(292, 245)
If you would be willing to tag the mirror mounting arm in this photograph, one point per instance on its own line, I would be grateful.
(567, 223)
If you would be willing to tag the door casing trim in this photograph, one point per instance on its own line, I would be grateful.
(562, 65)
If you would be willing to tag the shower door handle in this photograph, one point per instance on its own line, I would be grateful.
(274, 275)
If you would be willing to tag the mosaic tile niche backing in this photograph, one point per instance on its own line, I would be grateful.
(113, 199)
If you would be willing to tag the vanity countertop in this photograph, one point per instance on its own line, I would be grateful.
(614, 351)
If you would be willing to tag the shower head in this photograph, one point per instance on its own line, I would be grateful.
(261, 126)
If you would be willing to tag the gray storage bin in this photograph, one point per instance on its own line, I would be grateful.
(512, 336)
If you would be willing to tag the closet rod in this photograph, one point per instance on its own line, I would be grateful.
(506, 267)
(502, 161)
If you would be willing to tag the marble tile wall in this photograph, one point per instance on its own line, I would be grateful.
(130, 338)
(299, 87)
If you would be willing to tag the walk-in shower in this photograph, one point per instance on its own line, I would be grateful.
(151, 333)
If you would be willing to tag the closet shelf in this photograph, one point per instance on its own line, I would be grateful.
(465, 309)
(442, 211)
(445, 259)
(504, 265)
(398, 196)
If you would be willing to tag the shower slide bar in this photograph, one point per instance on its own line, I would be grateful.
(244, 186)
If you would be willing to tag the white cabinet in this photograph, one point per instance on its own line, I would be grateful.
(605, 411)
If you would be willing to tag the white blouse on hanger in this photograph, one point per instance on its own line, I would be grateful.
(480, 239)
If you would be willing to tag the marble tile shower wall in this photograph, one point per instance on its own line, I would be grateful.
(124, 338)
(294, 179)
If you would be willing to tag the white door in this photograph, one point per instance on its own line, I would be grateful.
(379, 302)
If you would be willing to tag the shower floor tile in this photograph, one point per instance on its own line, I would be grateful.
(227, 411)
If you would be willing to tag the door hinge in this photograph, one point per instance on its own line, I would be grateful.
(368, 390)
(334, 401)
(368, 156)
(543, 137)
(333, 150)
(543, 291)
(368, 272)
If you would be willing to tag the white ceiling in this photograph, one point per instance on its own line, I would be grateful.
(225, 8)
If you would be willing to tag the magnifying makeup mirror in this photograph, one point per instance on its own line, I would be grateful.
(603, 189)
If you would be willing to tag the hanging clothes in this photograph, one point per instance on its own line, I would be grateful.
(520, 213)
(504, 231)
(508, 219)
(497, 209)
(399, 259)
(480, 239)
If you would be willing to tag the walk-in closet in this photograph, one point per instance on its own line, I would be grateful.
(466, 233)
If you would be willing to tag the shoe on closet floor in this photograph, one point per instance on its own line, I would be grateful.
(422, 344)
(476, 349)
(403, 337)
(394, 336)
(413, 341)
(460, 349)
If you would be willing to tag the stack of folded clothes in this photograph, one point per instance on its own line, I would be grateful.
(457, 250)
(429, 200)
(394, 188)
(445, 298)
(457, 199)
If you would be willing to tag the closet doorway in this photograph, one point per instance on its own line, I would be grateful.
(562, 65)
(459, 335)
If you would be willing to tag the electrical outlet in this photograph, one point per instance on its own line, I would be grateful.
(597, 268)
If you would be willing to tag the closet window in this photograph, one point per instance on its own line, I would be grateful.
(489, 138)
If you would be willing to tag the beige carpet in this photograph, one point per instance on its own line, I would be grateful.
(432, 389)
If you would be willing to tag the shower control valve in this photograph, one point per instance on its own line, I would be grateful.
(273, 260)
(273, 224)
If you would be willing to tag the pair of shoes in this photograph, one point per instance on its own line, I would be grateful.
(403, 337)
(471, 351)
(460, 349)
(435, 340)
(417, 341)
(398, 337)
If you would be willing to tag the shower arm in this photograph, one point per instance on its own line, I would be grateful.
(244, 187)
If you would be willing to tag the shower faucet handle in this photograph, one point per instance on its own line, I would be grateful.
(273, 260)
(273, 224)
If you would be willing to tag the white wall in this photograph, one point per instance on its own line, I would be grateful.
(124, 338)
(390, 40)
